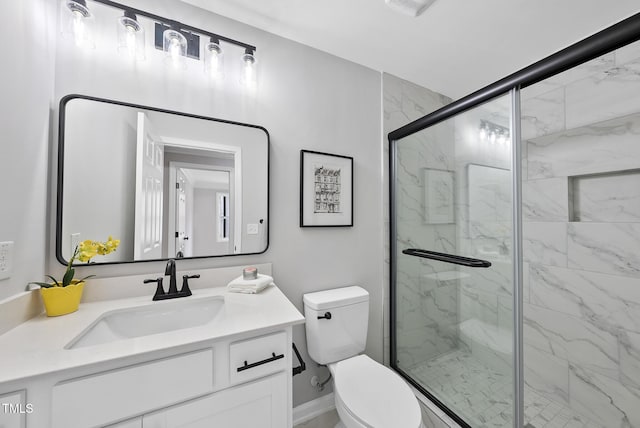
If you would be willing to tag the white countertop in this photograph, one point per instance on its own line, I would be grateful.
(36, 347)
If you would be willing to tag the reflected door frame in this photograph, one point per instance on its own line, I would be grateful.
(235, 238)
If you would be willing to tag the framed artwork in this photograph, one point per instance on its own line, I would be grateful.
(326, 190)
(438, 196)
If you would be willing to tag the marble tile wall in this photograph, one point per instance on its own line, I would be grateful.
(427, 301)
(581, 238)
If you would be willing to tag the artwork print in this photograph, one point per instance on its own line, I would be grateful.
(326, 189)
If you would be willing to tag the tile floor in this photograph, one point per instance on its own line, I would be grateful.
(482, 395)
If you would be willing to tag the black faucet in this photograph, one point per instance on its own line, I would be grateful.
(173, 289)
(171, 271)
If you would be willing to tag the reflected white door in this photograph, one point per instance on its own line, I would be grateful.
(149, 178)
(181, 222)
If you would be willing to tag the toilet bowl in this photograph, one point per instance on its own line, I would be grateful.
(367, 394)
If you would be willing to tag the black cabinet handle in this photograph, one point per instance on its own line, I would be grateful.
(447, 258)
(326, 316)
(259, 363)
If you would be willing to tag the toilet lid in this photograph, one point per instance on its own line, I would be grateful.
(374, 394)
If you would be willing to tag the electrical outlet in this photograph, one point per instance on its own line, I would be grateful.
(6, 259)
(252, 229)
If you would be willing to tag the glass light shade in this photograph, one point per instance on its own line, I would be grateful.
(175, 48)
(249, 69)
(130, 37)
(76, 23)
(213, 60)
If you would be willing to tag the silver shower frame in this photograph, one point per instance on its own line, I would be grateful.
(607, 40)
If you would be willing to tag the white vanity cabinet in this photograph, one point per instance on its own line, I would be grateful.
(243, 381)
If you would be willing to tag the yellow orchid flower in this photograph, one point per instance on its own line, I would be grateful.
(84, 252)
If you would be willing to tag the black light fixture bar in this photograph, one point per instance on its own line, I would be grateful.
(176, 24)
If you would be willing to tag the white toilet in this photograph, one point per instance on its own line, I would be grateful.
(367, 394)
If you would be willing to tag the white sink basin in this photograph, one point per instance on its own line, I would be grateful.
(160, 317)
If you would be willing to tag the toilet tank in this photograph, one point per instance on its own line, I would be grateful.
(341, 330)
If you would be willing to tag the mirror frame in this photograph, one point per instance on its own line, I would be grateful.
(60, 173)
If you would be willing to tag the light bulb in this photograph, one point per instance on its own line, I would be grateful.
(175, 47)
(483, 133)
(79, 29)
(75, 24)
(248, 77)
(492, 137)
(130, 36)
(213, 59)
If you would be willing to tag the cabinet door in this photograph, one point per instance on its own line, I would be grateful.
(13, 410)
(258, 404)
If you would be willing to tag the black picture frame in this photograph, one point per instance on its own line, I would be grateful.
(326, 189)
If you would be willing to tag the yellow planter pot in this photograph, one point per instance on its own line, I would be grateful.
(62, 300)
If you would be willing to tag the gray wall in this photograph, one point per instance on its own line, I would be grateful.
(307, 100)
(106, 133)
(27, 85)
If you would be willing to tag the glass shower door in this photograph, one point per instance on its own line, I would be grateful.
(452, 322)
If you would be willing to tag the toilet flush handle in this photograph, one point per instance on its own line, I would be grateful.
(326, 316)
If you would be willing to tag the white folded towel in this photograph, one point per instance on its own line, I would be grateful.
(250, 286)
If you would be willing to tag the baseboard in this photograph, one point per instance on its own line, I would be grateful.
(309, 410)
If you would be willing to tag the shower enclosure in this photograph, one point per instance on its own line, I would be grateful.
(515, 244)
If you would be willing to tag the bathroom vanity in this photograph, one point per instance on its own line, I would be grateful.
(229, 364)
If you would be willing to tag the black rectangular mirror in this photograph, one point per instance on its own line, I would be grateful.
(166, 184)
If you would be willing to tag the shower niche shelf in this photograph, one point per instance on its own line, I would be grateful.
(611, 197)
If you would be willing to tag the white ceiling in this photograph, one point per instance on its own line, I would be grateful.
(454, 47)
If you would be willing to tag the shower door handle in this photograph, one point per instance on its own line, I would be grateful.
(447, 258)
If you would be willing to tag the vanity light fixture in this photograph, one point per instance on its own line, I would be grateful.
(130, 35)
(493, 133)
(179, 41)
(77, 17)
(213, 59)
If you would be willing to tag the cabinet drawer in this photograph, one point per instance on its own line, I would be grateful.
(115, 395)
(253, 358)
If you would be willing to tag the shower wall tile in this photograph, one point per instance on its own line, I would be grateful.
(478, 305)
(526, 283)
(605, 247)
(628, 53)
(609, 94)
(543, 114)
(630, 359)
(505, 313)
(599, 148)
(545, 199)
(545, 243)
(608, 301)
(607, 198)
(546, 374)
(496, 280)
(603, 399)
(595, 66)
(572, 339)
(419, 345)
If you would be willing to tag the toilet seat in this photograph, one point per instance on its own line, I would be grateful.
(374, 395)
